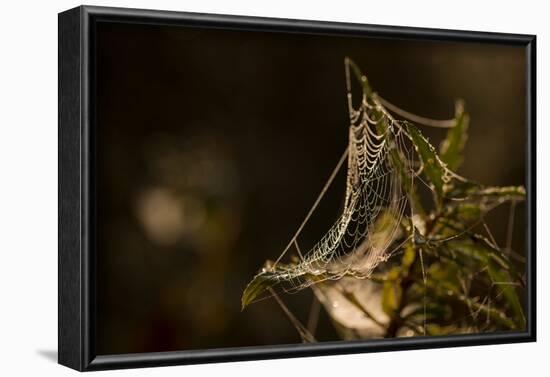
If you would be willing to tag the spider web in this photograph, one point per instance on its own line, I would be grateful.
(380, 168)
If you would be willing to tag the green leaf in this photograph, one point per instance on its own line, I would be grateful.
(391, 297)
(452, 147)
(461, 189)
(499, 269)
(468, 213)
(433, 329)
(501, 193)
(367, 91)
(270, 276)
(445, 274)
(478, 247)
(501, 278)
(444, 292)
(259, 284)
(392, 293)
(409, 256)
(472, 201)
(432, 165)
(433, 311)
(407, 182)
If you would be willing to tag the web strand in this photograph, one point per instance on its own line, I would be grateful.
(379, 151)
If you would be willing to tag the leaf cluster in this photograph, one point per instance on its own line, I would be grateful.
(451, 276)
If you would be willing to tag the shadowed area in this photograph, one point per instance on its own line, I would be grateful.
(212, 145)
(50, 355)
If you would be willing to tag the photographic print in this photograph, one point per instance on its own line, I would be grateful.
(254, 188)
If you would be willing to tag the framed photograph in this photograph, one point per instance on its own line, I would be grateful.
(238, 188)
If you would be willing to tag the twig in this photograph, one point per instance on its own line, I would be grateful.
(313, 318)
(510, 230)
(302, 331)
(317, 201)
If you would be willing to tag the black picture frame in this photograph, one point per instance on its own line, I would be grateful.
(77, 278)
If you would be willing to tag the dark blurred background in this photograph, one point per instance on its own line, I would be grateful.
(212, 146)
